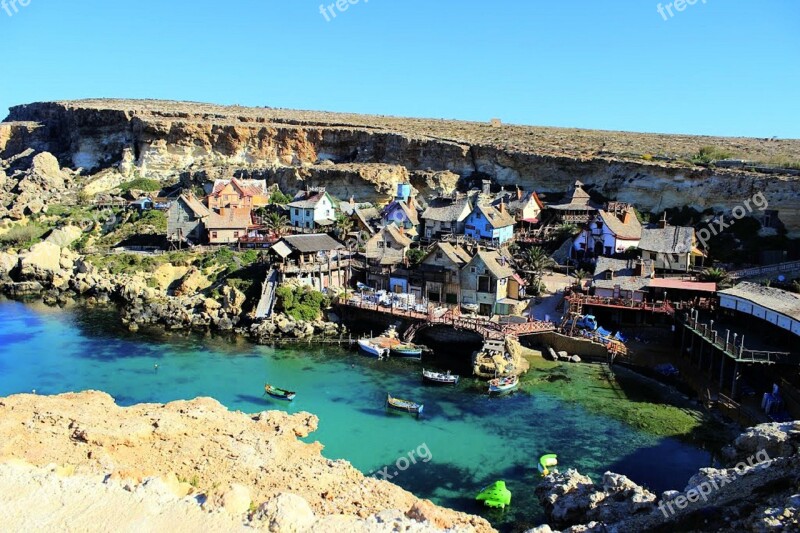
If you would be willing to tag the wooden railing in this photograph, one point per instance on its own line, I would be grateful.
(791, 266)
(655, 307)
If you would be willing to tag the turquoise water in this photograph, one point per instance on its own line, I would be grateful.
(468, 438)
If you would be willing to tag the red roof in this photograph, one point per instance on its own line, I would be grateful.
(247, 189)
(667, 283)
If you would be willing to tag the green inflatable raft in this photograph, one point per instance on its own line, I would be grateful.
(495, 495)
(547, 461)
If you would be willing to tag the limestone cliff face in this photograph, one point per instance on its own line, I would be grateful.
(367, 156)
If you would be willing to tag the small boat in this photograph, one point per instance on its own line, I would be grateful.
(438, 377)
(547, 461)
(371, 348)
(495, 495)
(408, 351)
(404, 405)
(471, 308)
(503, 384)
(279, 394)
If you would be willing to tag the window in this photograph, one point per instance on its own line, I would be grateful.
(473, 270)
(235, 234)
(308, 224)
(451, 298)
(439, 255)
(484, 284)
(296, 212)
(488, 227)
(213, 234)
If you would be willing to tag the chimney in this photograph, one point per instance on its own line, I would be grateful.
(519, 193)
(503, 206)
(487, 187)
(626, 216)
(639, 269)
(352, 200)
(663, 222)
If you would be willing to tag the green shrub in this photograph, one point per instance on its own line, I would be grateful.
(301, 303)
(708, 154)
(152, 217)
(140, 184)
(23, 236)
(279, 198)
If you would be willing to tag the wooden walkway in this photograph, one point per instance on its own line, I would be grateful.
(268, 295)
(619, 303)
(732, 350)
(438, 316)
(769, 270)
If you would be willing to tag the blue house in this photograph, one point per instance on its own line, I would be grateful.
(490, 223)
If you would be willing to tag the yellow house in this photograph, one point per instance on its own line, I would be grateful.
(238, 194)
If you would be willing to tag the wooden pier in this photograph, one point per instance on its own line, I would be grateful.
(697, 337)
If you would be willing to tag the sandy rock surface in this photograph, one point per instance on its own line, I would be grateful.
(229, 456)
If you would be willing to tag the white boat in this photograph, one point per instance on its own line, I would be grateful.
(471, 308)
(370, 348)
(503, 384)
(439, 377)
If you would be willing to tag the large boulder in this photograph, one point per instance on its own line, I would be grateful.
(776, 439)
(234, 498)
(193, 282)
(45, 174)
(42, 262)
(8, 262)
(285, 513)
(234, 299)
(65, 236)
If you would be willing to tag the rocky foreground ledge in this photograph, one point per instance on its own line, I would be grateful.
(81, 461)
(756, 489)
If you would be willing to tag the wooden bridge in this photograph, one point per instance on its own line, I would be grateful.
(442, 316)
(268, 295)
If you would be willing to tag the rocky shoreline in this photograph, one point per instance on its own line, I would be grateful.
(755, 489)
(51, 271)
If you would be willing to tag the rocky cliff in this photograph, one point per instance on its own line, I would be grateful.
(179, 461)
(366, 156)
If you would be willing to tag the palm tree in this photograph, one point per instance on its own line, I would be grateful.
(344, 225)
(716, 275)
(536, 261)
(581, 275)
(276, 223)
(565, 231)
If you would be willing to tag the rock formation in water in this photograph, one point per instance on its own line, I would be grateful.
(756, 491)
(162, 464)
(110, 141)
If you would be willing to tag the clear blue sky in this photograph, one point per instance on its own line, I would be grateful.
(724, 67)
